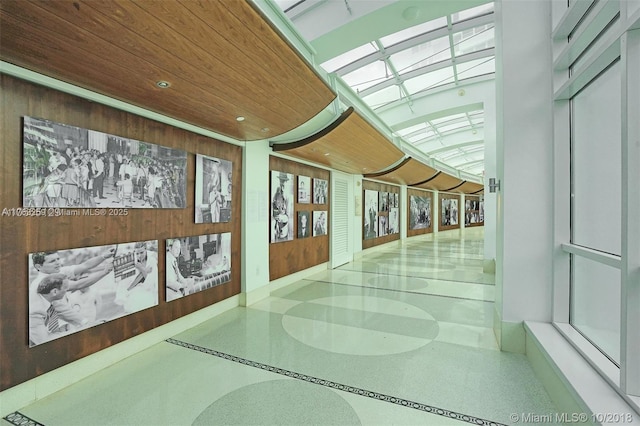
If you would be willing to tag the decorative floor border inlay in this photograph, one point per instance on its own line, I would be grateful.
(345, 388)
(20, 419)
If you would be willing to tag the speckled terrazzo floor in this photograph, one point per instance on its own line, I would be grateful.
(403, 336)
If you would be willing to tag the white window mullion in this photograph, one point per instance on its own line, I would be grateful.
(630, 294)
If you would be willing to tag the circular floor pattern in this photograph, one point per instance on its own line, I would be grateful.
(360, 325)
(279, 402)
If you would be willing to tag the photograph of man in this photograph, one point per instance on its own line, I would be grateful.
(454, 212)
(394, 227)
(178, 285)
(304, 189)
(196, 263)
(370, 214)
(282, 193)
(382, 226)
(304, 224)
(213, 189)
(319, 223)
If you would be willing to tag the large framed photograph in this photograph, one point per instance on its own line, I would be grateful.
(419, 212)
(70, 167)
(383, 203)
(75, 289)
(214, 186)
(382, 226)
(319, 223)
(304, 224)
(304, 189)
(320, 191)
(282, 193)
(370, 214)
(449, 215)
(197, 263)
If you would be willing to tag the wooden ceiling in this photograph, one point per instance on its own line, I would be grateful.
(410, 172)
(222, 59)
(350, 144)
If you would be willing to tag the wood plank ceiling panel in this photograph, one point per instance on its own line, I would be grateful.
(223, 60)
(411, 172)
(442, 182)
(354, 146)
(469, 188)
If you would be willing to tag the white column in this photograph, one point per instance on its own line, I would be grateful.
(490, 170)
(255, 221)
(524, 205)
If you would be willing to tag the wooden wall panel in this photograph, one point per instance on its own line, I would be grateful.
(288, 257)
(22, 235)
(416, 192)
(380, 187)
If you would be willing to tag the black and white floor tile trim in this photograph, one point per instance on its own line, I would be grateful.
(338, 386)
(20, 419)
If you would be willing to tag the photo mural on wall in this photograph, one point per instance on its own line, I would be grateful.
(196, 263)
(69, 167)
(75, 289)
(419, 212)
(282, 193)
(473, 211)
(370, 214)
(394, 220)
(214, 187)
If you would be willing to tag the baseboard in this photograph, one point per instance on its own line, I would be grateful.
(509, 335)
(46, 384)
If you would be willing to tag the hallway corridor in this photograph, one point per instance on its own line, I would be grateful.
(401, 336)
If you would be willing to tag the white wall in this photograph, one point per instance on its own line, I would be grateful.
(524, 165)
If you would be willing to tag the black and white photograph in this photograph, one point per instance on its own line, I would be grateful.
(449, 213)
(304, 224)
(74, 289)
(282, 193)
(382, 226)
(370, 214)
(304, 189)
(213, 189)
(320, 191)
(70, 167)
(383, 202)
(419, 212)
(197, 263)
(472, 211)
(319, 223)
(396, 199)
(394, 221)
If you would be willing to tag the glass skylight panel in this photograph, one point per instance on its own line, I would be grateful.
(383, 97)
(426, 133)
(476, 67)
(367, 76)
(472, 13)
(348, 57)
(408, 33)
(421, 55)
(429, 80)
(450, 127)
(449, 118)
(474, 39)
(411, 129)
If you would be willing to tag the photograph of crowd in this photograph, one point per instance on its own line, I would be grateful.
(213, 189)
(304, 189)
(320, 191)
(70, 167)
(419, 212)
(197, 263)
(449, 215)
(71, 290)
(319, 223)
(370, 214)
(282, 193)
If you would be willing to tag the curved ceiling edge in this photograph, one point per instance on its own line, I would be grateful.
(455, 186)
(321, 133)
(391, 170)
(426, 180)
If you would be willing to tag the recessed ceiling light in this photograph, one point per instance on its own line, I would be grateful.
(264, 129)
(326, 154)
(239, 118)
(163, 84)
